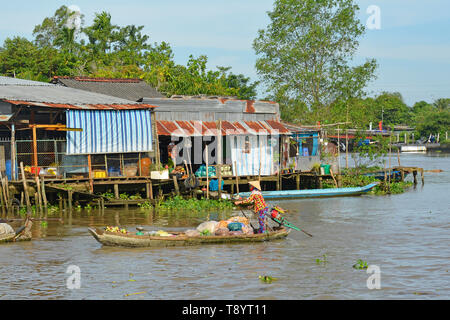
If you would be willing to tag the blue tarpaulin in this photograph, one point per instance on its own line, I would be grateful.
(109, 131)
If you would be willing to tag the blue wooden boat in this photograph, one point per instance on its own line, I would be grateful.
(314, 193)
(396, 175)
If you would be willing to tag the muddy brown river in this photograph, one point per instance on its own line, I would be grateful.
(406, 236)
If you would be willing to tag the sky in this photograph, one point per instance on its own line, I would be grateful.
(411, 43)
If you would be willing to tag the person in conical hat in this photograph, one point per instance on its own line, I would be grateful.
(260, 208)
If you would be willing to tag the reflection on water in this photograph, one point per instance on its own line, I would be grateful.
(406, 235)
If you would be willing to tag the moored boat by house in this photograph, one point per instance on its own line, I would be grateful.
(394, 175)
(315, 193)
(119, 239)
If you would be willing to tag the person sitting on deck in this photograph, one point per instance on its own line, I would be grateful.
(260, 208)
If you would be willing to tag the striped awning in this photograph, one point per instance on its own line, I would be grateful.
(108, 131)
(210, 128)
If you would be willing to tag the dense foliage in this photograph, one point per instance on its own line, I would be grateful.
(304, 59)
(62, 48)
(305, 54)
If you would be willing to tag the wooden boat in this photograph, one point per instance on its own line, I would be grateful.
(108, 238)
(413, 149)
(395, 175)
(314, 193)
(21, 234)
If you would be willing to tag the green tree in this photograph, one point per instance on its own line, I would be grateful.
(306, 51)
(57, 31)
(101, 34)
(391, 108)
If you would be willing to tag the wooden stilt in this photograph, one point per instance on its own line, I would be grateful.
(175, 183)
(25, 187)
(44, 195)
(116, 191)
(237, 177)
(38, 191)
(70, 194)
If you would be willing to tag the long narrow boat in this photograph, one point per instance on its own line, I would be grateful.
(314, 193)
(109, 238)
(395, 175)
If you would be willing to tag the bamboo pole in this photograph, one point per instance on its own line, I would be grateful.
(25, 187)
(207, 172)
(219, 158)
(13, 152)
(38, 191)
(35, 155)
(5, 196)
(70, 194)
(175, 184)
(237, 177)
(91, 182)
(339, 151)
(44, 195)
(346, 149)
(2, 200)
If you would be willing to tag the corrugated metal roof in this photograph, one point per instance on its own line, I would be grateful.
(186, 104)
(8, 81)
(41, 94)
(209, 128)
(130, 89)
(83, 107)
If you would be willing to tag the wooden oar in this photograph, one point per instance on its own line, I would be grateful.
(248, 220)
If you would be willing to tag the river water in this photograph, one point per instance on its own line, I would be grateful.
(406, 236)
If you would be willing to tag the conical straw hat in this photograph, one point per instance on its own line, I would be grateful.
(255, 184)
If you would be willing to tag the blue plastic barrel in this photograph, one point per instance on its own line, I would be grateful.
(8, 169)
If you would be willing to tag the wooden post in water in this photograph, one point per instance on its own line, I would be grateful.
(5, 195)
(91, 182)
(175, 184)
(3, 201)
(44, 195)
(116, 191)
(7, 192)
(69, 194)
(38, 191)
(25, 187)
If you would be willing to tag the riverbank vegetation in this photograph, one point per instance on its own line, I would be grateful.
(64, 46)
(324, 85)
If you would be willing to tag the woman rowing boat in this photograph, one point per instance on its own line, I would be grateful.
(260, 208)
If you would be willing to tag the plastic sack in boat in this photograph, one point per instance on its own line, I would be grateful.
(192, 233)
(208, 225)
(235, 226)
(222, 232)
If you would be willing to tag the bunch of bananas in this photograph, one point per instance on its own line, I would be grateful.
(116, 229)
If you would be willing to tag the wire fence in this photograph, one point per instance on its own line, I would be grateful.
(54, 162)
